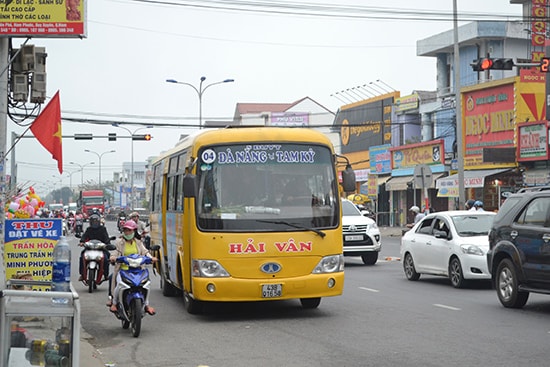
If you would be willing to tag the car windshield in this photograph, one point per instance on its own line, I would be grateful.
(267, 187)
(472, 224)
(349, 209)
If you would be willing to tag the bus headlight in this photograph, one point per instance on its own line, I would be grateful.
(330, 264)
(208, 269)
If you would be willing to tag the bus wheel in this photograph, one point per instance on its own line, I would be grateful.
(168, 290)
(192, 306)
(309, 303)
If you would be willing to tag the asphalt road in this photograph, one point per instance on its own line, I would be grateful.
(381, 320)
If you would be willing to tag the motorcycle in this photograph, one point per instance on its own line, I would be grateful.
(133, 291)
(78, 225)
(120, 223)
(70, 223)
(93, 267)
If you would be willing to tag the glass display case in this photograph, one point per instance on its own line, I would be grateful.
(39, 328)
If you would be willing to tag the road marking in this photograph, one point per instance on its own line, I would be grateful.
(447, 307)
(369, 289)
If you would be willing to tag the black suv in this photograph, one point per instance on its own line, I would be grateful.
(519, 255)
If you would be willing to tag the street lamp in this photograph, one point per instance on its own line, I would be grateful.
(132, 134)
(99, 156)
(200, 91)
(81, 170)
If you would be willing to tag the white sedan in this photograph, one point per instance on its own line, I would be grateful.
(453, 244)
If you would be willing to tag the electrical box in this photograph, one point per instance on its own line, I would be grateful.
(40, 59)
(28, 59)
(20, 87)
(38, 87)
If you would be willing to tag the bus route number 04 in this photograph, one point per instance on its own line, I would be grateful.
(545, 64)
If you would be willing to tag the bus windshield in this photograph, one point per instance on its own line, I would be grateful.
(267, 187)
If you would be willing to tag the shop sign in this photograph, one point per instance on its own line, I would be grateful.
(488, 122)
(406, 103)
(28, 248)
(409, 156)
(532, 141)
(380, 159)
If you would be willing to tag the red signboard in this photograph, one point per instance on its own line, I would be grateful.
(488, 121)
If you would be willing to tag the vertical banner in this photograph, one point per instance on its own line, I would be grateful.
(28, 248)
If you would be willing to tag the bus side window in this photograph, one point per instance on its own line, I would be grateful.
(179, 193)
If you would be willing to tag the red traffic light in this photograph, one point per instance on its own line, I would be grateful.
(486, 64)
(142, 137)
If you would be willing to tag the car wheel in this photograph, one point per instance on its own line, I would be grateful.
(455, 273)
(408, 267)
(370, 258)
(507, 286)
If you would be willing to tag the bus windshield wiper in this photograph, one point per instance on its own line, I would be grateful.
(320, 233)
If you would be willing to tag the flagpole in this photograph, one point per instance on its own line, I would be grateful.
(19, 137)
(4, 64)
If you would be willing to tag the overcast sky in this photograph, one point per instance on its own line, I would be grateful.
(133, 46)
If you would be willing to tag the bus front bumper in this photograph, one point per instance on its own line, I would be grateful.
(242, 290)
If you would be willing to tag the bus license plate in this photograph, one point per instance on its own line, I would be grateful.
(354, 238)
(272, 290)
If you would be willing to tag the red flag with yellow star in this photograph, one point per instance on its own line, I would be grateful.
(47, 130)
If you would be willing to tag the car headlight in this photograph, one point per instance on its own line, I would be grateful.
(471, 250)
(208, 269)
(330, 264)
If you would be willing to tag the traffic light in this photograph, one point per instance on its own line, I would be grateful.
(488, 63)
(142, 137)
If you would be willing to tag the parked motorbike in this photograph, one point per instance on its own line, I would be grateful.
(133, 291)
(78, 226)
(93, 267)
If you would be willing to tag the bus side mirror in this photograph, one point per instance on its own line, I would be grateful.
(348, 179)
(190, 186)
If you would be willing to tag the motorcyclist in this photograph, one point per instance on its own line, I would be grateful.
(126, 245)
(141, 226)
(121, 219)
(95, 231)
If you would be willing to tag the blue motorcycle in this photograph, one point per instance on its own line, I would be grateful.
(133, 291)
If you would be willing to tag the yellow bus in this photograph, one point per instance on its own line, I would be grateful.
(249, 214)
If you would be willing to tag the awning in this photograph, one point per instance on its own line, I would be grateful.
(398, 183)
(379, 180)
(471, 178)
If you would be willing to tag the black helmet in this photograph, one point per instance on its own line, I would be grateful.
(94, 221)
(470, 203)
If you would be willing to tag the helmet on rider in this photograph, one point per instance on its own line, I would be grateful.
(94, 221)
(129, 224)
(415, 209)
(134, 215)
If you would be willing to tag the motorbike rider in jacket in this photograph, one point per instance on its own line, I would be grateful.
(95, 231)
(126, 245)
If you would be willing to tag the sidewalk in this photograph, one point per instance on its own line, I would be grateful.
(89, 356)
(392, 231)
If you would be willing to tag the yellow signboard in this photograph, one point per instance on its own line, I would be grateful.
(43, 18)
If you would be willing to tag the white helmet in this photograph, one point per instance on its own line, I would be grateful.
(415, 209)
